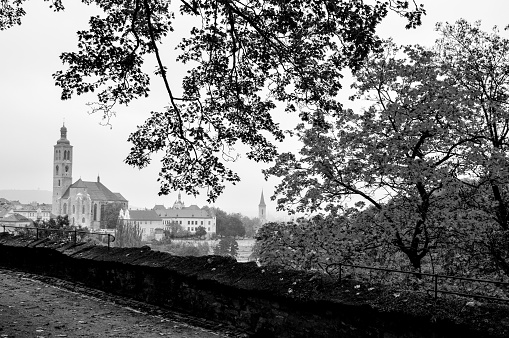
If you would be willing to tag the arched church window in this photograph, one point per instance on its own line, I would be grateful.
(65, 208)
(58, 182)
(66, 168)
(56, 154)
(95, 212)
(56, 169)
(65, 155)
(83, 220)
(73, 210)
(83, 210)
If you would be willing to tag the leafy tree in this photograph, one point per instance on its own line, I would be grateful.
(228, 225)
(127, 234)
(438, 119)
(176, 231)
(109, 215)
(394, 155)
(227, 246)
(243, 56)
(200, 232)
(477, 62)
(250, 225)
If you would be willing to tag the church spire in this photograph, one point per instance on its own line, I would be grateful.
(262, 201)
(262, 210)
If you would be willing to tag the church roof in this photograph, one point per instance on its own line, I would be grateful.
(96, 190)
(120, 197)
(159, 206)
(143, 215)
(186, 212)
(63, 136)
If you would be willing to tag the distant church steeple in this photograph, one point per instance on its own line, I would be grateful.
(62, 170)
(262, 210)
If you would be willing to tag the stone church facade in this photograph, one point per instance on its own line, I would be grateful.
(82, 200)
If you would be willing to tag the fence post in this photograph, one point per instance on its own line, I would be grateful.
(109, 241)
(75, 234)
(435, 277)
(36, 233)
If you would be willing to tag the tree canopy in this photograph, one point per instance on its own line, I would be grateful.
(243, 57)
(435, 128)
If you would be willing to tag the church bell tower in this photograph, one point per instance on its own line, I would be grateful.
(62, 170)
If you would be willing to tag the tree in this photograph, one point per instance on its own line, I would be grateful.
(250, 225)
(227, 246)
(477, 62)
(176, 231)
(243, 56)
(228, 225)
(109, 215)
(128, 234)
(395, 155)
(431, 149)
(200, 232)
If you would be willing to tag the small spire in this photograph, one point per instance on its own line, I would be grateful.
(98, 178)
(262, 201)
(179, 197)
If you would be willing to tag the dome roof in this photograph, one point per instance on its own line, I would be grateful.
(63, 136)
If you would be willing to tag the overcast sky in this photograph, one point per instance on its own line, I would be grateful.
(32, 113)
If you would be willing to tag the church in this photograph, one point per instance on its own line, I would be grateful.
(81, 201)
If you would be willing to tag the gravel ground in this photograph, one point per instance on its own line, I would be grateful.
(35, 306)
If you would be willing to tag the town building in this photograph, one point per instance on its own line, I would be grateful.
(189, 218)
(82, 201)
(151, 225)
(15, 220)
(33, 211)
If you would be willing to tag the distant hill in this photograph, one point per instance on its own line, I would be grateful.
(27, 196)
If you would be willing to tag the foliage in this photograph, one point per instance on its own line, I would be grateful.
(200, 232)
(181, 248)
(227, 246)
(228, 225)
(176, 231)
(477, 62)
(128, 234)
(243, 56)
(396, 150)
(429, 155)
(250, 225)
(109, 215)
(59, 229)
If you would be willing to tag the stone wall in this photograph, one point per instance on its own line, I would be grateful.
(262, 301)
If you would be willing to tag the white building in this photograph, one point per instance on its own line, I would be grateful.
(150, 223)
(189, 218)
(32, 211)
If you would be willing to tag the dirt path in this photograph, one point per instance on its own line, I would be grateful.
(33, 308)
